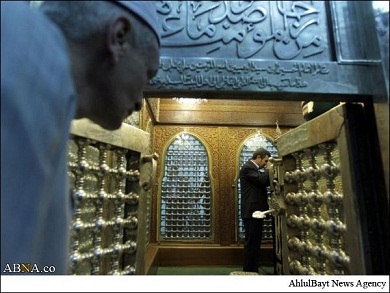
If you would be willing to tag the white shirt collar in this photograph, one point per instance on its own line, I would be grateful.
(255, 164)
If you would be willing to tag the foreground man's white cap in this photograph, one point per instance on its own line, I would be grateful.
(146, 10)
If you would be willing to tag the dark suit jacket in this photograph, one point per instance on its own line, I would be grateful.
(253, 189)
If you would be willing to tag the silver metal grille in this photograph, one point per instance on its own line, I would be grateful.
(315, 217)
(186, 196)
(105, 193)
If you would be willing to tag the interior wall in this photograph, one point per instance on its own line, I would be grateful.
(223, 145)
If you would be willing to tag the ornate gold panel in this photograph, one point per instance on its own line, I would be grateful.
(110, 175)
(329, 199)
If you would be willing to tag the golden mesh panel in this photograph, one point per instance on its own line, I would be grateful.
(105, 193)
(314, 212)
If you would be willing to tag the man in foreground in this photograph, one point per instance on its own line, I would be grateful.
(71, 59)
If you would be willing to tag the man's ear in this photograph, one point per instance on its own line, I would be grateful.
(118, 36)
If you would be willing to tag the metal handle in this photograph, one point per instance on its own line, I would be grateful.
(148, 170)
